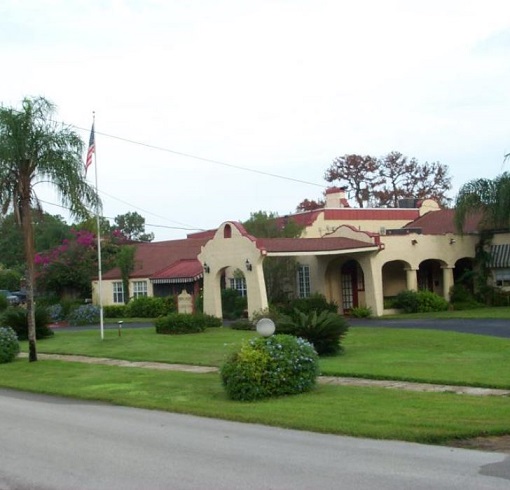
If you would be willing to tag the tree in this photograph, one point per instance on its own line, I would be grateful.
(488, 198)
(49, 231)
(279, 272)
(386, 180)
(310, 205)
(359, 172)
(126, 262)
(132, 226)
(33, 149)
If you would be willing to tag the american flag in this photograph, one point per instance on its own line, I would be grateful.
(91, 150)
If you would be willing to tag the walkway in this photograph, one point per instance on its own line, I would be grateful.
(329, 380)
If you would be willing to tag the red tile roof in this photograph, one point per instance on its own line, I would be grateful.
(151, 258)
(442, 221)
(310, 244)
(186, 270)
(369, 214)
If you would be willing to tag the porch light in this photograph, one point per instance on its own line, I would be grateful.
(414, 242)
(207, 269)
(452, 241)
(248, 265)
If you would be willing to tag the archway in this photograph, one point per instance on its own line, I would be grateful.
(430, 276)
(394, 278)
(352, 284)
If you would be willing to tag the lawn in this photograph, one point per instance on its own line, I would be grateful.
(412, 355)
(362, 412)
(358, 411)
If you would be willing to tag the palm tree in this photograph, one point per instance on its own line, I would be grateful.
(36, 149)
(488, 198)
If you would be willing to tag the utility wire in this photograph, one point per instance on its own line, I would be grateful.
(203, 159)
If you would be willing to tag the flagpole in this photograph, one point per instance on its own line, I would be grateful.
(98, 220)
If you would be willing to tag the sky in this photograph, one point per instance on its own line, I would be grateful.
(210, 110)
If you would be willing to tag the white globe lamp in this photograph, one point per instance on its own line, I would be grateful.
(265, 327)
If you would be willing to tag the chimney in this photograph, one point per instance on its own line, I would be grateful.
(335, 198)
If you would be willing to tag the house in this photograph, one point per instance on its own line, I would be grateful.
(353, 256)
(160, 269)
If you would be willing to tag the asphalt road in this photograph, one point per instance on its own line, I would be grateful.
(491, 327)
(56, 443)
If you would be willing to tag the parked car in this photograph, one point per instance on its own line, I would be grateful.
(11, 298)
(22, 296)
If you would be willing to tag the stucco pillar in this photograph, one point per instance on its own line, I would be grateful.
(411, 279)
(256, 289)
(447, 281)
(212, 294)
(373, 285)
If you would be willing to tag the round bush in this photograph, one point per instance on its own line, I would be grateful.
(149, 307)
(273, 366)
(84, 315)
(9, 345)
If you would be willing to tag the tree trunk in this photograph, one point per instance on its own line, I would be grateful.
(28, 237)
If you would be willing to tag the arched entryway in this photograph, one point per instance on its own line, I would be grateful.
(395, 278)
(352, 285)
(431, 277)
(464, 273)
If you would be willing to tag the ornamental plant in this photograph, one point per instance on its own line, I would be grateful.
(84, 315)
(183, 323)
(267, 367)
(324, 330)
(16, 318)
(9, 345)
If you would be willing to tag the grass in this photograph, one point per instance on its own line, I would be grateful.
(357, 411)
(362, 412)
(412, 355)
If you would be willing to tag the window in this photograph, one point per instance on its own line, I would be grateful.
(303, 281)
(139, 289)
(239, 284)
(118, 292)
(502, 277)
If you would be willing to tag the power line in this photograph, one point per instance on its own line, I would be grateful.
(185, 228)
(203, 159)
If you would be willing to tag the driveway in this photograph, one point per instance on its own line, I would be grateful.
(491, 327)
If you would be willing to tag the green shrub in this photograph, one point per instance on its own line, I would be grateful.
(420, 302)
(324, 330)
(233, 304)
(361, 312)
(182, 323)
(84, 315)
(389, 302)
(149, 307)
(243, 324)
(115, 311)
(315, 302)
(16, 318)
(9, 345)
(273, 366)
(4, 303)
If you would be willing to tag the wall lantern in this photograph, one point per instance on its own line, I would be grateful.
(452, 241)
(248, 265)
(207, 269)
(414, 242)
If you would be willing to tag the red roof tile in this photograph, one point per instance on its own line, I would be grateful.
(368, 214)
(442, 221)
(153, 257)
(180, 271)
(310, 244)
